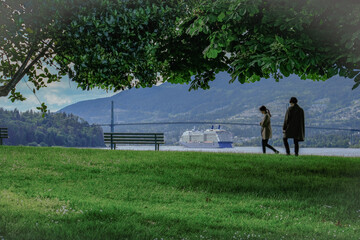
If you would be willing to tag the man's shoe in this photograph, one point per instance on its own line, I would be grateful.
(277, 152)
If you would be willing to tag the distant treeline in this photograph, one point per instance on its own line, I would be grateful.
(56, 129)
(61, 129)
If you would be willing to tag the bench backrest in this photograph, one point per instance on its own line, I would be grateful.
(134, 138)
(4, 133)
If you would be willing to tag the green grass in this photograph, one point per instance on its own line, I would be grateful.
(59, 193)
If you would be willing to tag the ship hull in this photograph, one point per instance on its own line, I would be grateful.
(207, 145)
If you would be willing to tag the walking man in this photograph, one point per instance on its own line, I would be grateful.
(294, 126)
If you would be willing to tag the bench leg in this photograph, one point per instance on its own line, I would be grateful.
(112, 146)
(0, 141)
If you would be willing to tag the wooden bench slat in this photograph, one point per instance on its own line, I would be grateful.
(137, 137)
(134, 140)
(116, 137)
(124, 138)
(3, 134)
(137, 142)
(133, 134)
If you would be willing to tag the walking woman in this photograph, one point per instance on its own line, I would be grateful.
(266, 131)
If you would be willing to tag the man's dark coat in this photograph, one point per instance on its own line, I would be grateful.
(294, 123)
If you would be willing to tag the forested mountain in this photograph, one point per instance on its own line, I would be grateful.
(326, 102)
(59, 129)
(331, 103)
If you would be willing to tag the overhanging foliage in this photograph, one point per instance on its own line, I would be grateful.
(122, 44)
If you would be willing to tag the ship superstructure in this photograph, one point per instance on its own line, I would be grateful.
(210, 138)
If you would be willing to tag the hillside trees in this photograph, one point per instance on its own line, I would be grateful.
(122, 44)
(59, 129)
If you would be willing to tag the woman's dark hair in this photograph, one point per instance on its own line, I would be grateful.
(263, 108)
(293, 100)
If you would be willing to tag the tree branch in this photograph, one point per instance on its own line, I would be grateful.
(8, 60)
(5, 90)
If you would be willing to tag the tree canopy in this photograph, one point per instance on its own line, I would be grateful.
(117, 44)
(314, 39)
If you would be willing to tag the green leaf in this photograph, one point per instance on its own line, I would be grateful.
(43, 109)
(349, 44)
(284, 71)
(221, 17)
(279, 39)
(357, 81)
(343, 72)
(212, 53)
(302, 54)
(357, 78)
(29, 30)
(355, 85)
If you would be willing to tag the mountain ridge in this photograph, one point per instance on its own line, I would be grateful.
(332, 99)
(331, 103)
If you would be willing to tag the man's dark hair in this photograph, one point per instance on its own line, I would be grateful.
(293, 100)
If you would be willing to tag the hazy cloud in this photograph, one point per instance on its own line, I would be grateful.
(57, 95)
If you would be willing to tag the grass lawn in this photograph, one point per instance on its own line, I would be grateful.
(60, 193)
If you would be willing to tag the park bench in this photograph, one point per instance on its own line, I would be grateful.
(134, 138)
(3, 134)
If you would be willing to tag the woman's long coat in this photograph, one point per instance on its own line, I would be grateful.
(294, 123)
(265, 124)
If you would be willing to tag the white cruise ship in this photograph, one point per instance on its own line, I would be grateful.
(210, 138)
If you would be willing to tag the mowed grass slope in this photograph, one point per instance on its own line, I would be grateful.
(59, 193)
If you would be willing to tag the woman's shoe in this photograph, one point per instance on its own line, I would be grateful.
(277, 152)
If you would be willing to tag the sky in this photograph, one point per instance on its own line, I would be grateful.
(56, 96)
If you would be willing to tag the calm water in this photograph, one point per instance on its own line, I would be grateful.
(348, 152)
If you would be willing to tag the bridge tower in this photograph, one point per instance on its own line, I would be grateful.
(112, 117)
